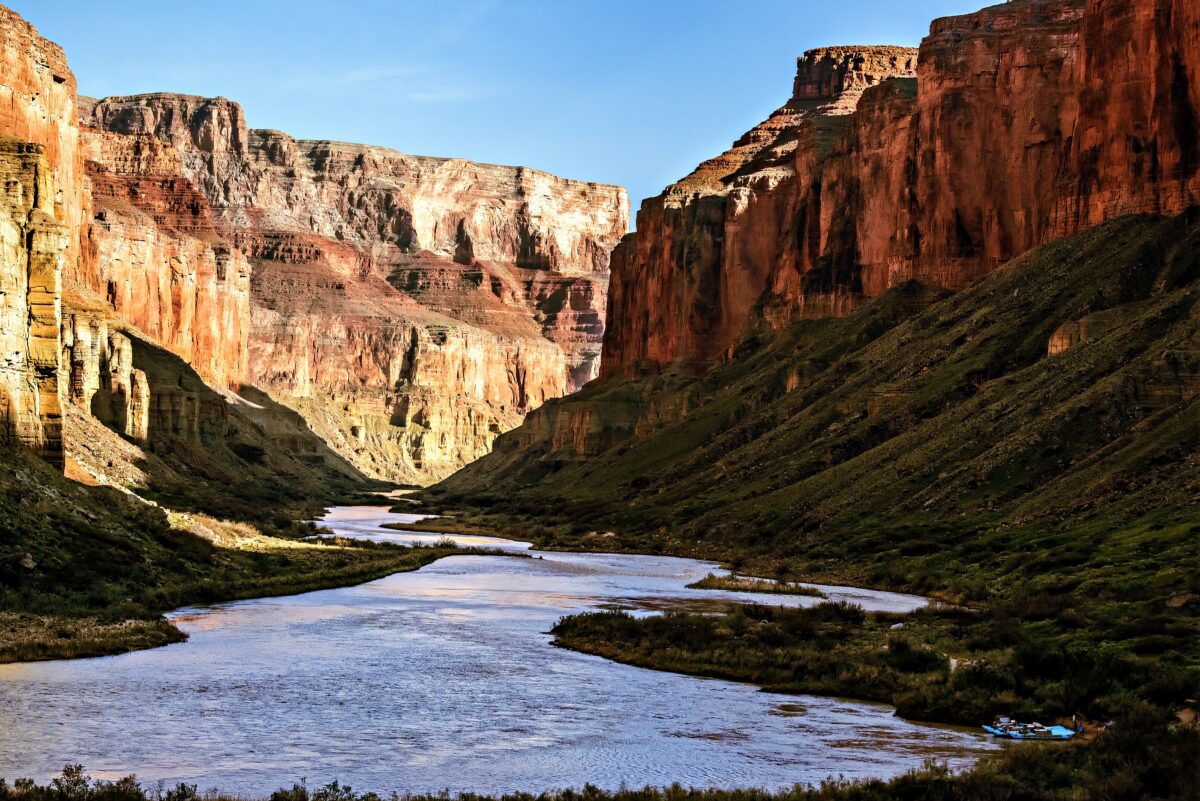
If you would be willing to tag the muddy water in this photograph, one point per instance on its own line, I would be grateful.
(445, 679)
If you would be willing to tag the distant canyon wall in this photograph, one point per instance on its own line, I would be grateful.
(1011, 127)
(409, 308)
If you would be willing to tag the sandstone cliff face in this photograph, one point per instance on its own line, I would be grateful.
(103, 380)
(157, 259)
(32, 247)
(375, 196)
(1025, 122)
(147, 248)
(40, 214)
(37, 104)
(1136, 145)
(1029, 121)
(410, 308)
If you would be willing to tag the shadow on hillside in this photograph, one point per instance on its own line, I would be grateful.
(229, 455)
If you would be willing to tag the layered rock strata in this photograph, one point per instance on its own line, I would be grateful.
(40, 229)
(409, 308)
(38, 104)
(157, 259)
(103, 380)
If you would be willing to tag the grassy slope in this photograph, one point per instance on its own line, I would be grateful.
(982, 463)
(942, 452)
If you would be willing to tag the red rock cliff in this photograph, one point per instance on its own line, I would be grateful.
(410, 308)
(1026, 122)
(1136, 144)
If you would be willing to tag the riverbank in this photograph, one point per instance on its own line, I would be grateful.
(445, 678)
(89, 610)
(308, 632)
(736, 583)
(1084, 642)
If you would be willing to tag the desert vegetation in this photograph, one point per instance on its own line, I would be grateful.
(1053, 496)
(938, 664)
(751, 584)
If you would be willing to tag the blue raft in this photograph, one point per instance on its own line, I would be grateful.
(1029, 731)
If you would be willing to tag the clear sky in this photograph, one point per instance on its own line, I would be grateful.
(632, 92)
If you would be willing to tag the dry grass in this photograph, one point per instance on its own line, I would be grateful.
(31, 638)
(752, 584)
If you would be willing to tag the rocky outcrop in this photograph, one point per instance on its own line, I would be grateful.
(403, 390)
(103, 380)
(1025, 122)
(1075, 332)
(410, 308)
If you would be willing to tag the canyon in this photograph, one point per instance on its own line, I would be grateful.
(394, 313)
(933, 326)
(409, 308)
(295, 309)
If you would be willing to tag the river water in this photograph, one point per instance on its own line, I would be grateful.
(445, 678)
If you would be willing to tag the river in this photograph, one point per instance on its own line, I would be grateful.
(445, 678)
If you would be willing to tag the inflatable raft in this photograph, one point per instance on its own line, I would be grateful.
(1028, 731)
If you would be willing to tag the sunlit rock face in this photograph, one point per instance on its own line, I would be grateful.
(32, 247)
(102, 378)
(157, 259)
(40, 228)
(38, 104)
(410, 308)
(1011, 127)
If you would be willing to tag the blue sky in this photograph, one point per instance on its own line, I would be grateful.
(633, 92)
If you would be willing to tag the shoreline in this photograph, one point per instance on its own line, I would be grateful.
(441, 524)
(30, 637)
(604, 544)
(930, 776)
